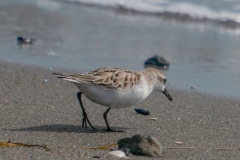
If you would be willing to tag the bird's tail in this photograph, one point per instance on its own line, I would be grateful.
(61, 75)
(67, 77)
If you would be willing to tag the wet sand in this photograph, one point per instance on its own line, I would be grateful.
(38, 108)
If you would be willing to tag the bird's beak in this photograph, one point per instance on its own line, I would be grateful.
(167, 94)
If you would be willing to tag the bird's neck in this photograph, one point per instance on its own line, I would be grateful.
(150, 78)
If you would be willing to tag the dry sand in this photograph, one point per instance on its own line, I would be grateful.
(38, 108)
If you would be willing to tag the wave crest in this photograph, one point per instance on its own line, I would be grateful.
(179, 11)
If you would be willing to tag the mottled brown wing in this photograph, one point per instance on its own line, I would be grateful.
(111, 78)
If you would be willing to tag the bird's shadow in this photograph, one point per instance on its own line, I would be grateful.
(66, 128)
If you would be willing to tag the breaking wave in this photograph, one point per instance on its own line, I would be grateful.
(183, 11)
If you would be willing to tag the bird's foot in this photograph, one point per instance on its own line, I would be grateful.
(86, 121)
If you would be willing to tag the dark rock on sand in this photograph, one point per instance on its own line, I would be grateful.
(141, 145)
(142, 111)
(22, 41)
(157, 62)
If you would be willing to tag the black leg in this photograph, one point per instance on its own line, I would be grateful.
(85, 118)
(105, 118)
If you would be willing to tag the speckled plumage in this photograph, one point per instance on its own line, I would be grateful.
(109, 78)
(117, 87)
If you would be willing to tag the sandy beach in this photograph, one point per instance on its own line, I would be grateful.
(38, 108)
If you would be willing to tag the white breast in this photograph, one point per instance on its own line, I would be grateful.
(116, 98)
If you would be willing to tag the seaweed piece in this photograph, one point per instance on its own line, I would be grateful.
(10, 144)
(142, 111)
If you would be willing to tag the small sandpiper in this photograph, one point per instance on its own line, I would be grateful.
(116, 87)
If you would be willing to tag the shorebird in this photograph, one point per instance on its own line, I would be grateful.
(116, 88)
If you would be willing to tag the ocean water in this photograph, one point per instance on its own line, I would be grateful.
(201, 40)
(223, 11)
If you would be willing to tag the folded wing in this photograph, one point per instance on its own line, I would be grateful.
(109, 78)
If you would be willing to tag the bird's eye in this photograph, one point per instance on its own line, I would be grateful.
(165, 80)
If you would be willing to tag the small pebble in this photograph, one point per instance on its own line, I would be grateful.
(153, 118)
(179, 142)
